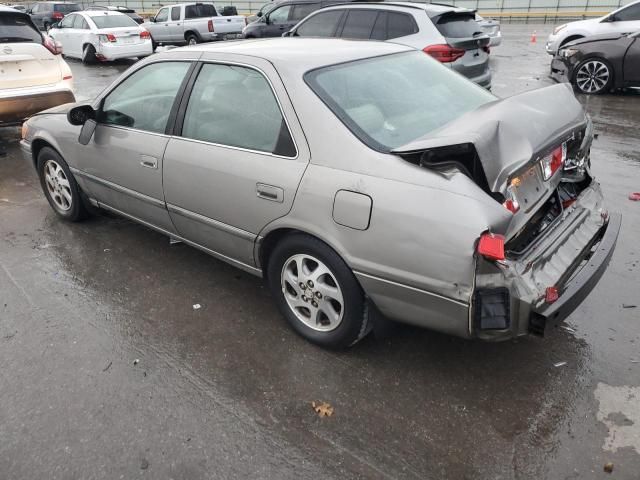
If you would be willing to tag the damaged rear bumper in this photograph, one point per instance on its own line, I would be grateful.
(510, 296)
(577, 289)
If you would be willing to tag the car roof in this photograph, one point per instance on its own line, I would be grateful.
(432, 9)
(293, 54)
(103, 12)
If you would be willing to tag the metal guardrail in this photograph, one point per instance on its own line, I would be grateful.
(507, 10)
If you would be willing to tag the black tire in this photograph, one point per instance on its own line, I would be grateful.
(588, 87)
(191, 39)
(88, 54)
(76, 210)
(354, 324)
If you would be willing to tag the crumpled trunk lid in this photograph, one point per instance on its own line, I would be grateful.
(510, 133)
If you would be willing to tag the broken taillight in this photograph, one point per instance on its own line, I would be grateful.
(511, 202)
(551, 294)
(491, 246)
(554, 161)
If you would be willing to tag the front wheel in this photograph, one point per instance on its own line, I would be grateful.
(317, 292)
(59, 186)
(593, 76)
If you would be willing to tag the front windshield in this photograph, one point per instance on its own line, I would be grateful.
(392, 100)
(113, 21)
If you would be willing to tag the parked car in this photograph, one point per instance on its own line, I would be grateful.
(192, 23)
(283, 16)
(623, 20)
(33, 76)
(45, 14)
(364, 180)
(101, 35)
(599, 64)
(449, 34)
(492, 28)
(127, 11)
(263, 9)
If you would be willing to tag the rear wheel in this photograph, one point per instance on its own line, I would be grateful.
(593, 76)
(317, 292)
(88, 54)
(191, 39)
(59, 186)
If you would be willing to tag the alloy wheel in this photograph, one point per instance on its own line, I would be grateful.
(593, 76)
(58, 185)
(312, 292)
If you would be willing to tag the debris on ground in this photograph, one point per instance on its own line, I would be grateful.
(323, 409)
(107, 367)
(144, 464)
(568, 329)
(635, 360)
(136, 361)
(107, 249)
(608, 467)
(196, 306)
(624, 305)
(635, 196)
(559, 364)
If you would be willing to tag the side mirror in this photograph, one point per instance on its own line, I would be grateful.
(80, 114)
(55, 25)
(266, 20)
(259, 14)
(612, 18)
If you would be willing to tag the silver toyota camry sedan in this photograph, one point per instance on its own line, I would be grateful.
(363, 180)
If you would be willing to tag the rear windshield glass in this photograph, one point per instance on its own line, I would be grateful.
(66, 7)
(113, 21)
(457, 25)
(17, 28)
(199, 11)
(392, 100)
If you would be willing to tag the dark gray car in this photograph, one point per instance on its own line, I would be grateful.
(363, 181)
(600, 63)
(45, 14)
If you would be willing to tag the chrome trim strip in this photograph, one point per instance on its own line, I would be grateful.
(238, 232)
(114, 186)
(219, 256)
(391, 282)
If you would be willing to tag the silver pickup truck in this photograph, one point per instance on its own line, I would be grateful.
(191, 23)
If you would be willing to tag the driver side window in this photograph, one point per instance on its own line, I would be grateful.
(280, 15)
(629, 14)
(144, 100)
(163, 15)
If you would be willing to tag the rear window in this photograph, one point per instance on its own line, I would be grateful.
(457, 25)
(392, 100)
(113, 21)
(66, 7)
(322, 24)
(199, 11)
(18, 28)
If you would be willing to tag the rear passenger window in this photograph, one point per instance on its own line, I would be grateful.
(175, 13)
(359, 24)
(144, 100)
(253, 119)
(400, 25)
(320, 25)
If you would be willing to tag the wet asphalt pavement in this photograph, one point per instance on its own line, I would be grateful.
(224, 391)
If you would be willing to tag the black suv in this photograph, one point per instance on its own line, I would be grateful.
(283, 16)
(45, 14)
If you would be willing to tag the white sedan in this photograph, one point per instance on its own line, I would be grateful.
(101, 35)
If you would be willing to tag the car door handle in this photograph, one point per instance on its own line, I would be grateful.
(149, 162)
(269, 192)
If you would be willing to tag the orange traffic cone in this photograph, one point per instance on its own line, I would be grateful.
(533, 37)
